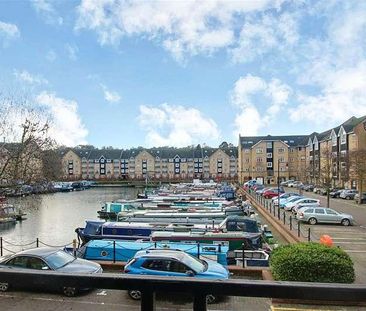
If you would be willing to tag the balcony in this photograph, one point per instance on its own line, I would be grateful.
(197, 288)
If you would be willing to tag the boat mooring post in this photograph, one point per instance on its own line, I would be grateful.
(298, 228)
(74, 247)
(37, 242)
(242, 254)
(309, 235)
(290, 222)
(198, 250)
(1, 246)
(114, 251)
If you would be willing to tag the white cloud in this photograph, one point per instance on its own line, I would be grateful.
(174, 125)
(72, 51)
(8, 32)
(245, 95)
(67, 127)
(336, 65)
(47, 10)
(263, 35)
(51, 56)
(27, 77)
(182, 27)
(110, 96)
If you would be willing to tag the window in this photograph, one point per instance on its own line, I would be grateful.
(177, 170)
(156, 264)
(281, 159)
(259, 150)
(102, 171)
(20, 261)
(247, 160)
(176, 164)
(246, 150)
(259, 159)
(219, 170)
(269, 145)
(281, 150)
(269, 164)
(269, 155)
(309, 211)
(331, 212)
(176, 160)
(102, 165)
(37, 263)
(178, 267)
(319, 211)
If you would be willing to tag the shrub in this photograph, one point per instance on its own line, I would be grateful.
(311, 262)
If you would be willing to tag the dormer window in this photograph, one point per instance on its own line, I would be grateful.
(316, 143)
(342, 136)
(334, 138)
(310, 144)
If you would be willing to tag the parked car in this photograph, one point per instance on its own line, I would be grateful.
(292, 183)
(314, 215)
(257, 187)
(271, 193)
(301, 202)
(289, 200)
(335, 192)
(47, 259)
(308, 187)
(261, 190)
(285, 183)
(308, 202)
(285, 195)
(363, 197)
(348, 194)
(174, 263)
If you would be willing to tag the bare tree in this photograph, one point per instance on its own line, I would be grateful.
(357, 162)
(25, 131)
(326, 171)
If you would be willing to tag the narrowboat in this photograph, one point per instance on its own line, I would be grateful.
(96, 230)
(111, 250)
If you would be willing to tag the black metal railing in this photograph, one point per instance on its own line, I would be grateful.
(197, 288)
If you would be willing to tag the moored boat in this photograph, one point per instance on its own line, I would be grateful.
(111, 250)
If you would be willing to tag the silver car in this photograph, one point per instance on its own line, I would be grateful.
(314, 215)
(47, 259)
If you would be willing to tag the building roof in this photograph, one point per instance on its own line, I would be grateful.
(291, 140)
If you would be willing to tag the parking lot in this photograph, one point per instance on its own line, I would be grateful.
(352, 239)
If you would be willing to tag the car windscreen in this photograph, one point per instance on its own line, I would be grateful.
(197, 265)
(59, 259)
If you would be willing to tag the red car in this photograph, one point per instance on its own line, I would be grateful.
(271, 193)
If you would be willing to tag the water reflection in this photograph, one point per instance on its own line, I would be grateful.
(52, 218)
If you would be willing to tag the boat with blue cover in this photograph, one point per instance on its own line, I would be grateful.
(111, 250)
(239, 228)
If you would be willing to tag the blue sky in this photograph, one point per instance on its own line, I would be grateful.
(157, 73)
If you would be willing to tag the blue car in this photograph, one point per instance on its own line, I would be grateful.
(174, 263)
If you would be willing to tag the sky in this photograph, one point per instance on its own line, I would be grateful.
(179, 73)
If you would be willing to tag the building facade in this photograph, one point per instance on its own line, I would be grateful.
(156, 163)
(318, 158)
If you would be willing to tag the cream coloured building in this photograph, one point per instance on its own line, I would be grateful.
(163, 163)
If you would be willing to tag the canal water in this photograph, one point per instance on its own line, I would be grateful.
(53, 218)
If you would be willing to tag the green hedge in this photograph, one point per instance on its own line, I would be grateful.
(311, 262)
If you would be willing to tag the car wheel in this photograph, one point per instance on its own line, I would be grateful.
(348, 198)
(210, 299)
(134, 294)
(345, 222)
(69, 291)
(4, 287)
(312, 221)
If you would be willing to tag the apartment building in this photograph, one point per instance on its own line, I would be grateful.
(313, 158)
(163, 163)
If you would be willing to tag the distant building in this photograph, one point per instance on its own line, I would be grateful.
(164, 163)
(309, 158)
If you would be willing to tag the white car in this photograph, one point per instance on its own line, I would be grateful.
(284, 197)
(290, 206)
